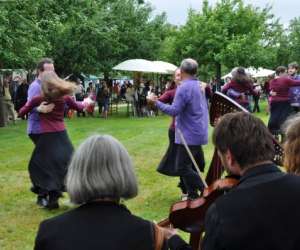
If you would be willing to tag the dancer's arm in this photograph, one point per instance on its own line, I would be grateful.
(34, 102)
(73, 104)
(292, 83)
(178, 104)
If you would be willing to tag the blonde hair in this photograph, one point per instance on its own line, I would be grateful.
(292, 145)
(54, 87)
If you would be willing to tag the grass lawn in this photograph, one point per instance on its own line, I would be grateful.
(146, 140)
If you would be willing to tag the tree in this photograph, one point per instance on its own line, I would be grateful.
(294, 38)
(81, 36)
(21, 43)
(226, 35)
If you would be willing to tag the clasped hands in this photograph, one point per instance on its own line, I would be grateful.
(45, 107)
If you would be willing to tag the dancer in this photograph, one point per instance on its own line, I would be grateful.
(167, 164)
(294, 92)
(239, 87)
(280, 107)
(48, 164)
(190, 109)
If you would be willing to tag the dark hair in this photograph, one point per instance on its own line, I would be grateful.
(239, 75)
(247, 138)
(280, 70)
(42, 62)
(294, 65)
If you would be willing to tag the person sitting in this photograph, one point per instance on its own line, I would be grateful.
(292, 145)
(100, 176)
(262, 211)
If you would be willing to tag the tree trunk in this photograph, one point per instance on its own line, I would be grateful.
(218, 71)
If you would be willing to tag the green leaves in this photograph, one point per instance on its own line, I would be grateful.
(231, 34)
(81, 36)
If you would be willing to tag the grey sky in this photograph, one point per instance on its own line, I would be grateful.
(177, 9)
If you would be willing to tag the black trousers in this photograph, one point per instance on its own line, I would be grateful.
(256, 105)
(34, 138)
(186, 169)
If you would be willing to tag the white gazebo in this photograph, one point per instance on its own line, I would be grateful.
(256, 73)
(146, 66)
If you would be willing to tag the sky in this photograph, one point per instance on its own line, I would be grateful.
(177, 9)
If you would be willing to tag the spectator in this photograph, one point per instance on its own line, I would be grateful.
(8, 104)
(100, 175)
(21, 95)
(103, 100)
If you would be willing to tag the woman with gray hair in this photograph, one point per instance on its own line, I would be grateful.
(100, 175)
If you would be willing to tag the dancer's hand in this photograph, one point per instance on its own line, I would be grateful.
(45, 107)
(152, 98)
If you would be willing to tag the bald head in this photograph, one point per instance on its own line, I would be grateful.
(189, 67)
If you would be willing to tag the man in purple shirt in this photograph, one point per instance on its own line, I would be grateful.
(33, 129)
(294, 92)
(191, 112)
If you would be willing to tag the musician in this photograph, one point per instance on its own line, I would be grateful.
(100, 175)
(262, 211)
(292, 145)
(190, 108)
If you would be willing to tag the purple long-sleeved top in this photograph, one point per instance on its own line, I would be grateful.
(34, 126)
(190, 108)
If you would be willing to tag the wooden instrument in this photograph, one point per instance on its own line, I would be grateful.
(189, 215)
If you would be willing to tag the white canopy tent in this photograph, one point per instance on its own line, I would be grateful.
(256, 73)
(141, 65)
(168, 67)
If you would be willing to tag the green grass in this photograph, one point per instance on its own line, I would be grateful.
(146, 140)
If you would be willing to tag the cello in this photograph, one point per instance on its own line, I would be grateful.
(189, 215)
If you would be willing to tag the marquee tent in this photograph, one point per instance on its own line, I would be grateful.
(141, 65)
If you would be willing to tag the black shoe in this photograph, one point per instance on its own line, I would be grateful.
(42, 201)
(53, 202)
(193, 195)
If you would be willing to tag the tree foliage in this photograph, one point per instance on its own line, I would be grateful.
(231, 34)
(81, 36)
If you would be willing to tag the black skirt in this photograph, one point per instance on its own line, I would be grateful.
(280, 111)
(49, 162)
(167, 164)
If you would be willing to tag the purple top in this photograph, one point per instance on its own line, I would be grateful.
(294, 93)
(34, 126)
(190, 108)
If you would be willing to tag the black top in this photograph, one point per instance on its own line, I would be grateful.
(261, 212)
(96, 226)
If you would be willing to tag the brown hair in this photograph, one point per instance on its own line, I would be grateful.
(294, 65)
(247, 138)
(280, 70)
(54, 87)
(292, 145)
(40, 64)
(239, 75)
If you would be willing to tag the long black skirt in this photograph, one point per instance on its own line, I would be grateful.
(49, 162)
(280, 111)
(167, 164)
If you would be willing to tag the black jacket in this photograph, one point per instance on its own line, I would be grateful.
(96, 226)
(262, 212)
